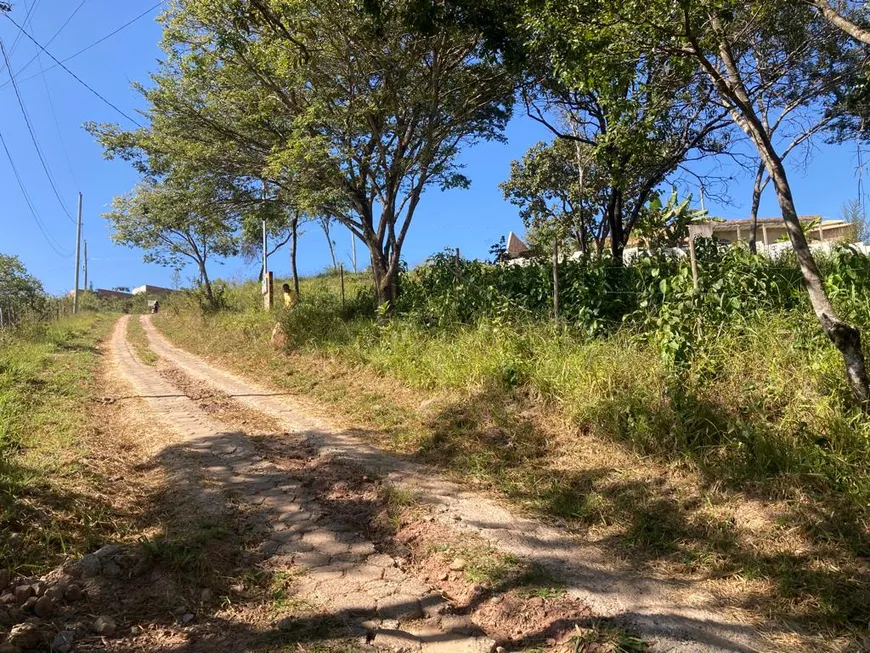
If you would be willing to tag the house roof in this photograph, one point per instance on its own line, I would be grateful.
(515, 246)
(728, 225)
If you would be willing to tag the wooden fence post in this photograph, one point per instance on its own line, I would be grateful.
(556, 280)
(694, 262)
(268, 291)
(341, 274)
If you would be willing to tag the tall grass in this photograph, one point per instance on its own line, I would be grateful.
(761, 401)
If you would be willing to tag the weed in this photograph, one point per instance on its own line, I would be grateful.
(282, 597)
(605, 637)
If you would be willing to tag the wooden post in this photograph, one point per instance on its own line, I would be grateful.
(341, 274)
(694, 261)
(821, 233)
(738, 233)
(764, 236)
(268, 294)
(556, 280)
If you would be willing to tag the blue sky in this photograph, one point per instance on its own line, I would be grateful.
(58, 105)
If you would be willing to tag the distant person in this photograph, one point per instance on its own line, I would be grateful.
(155, 307)
(290, 296)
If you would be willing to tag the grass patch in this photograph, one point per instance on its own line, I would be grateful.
(604, 637)
(48, 382)
(136, 336)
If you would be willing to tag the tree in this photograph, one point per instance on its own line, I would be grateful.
(844, 20)
(853, 212)
(19, 290)
(786, 94)
(559, 194)
(718, 36)
(175, 223)
(640, 115)
(344, 105)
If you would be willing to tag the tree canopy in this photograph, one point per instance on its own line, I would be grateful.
(345, 106)
(19, 290)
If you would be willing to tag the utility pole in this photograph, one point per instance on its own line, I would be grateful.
(86, 265)
(78, 258)
(703, 208)
(265, 255)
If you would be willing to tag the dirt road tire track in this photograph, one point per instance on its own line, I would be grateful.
(676, 616)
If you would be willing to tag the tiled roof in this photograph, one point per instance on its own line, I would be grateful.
(747, 222)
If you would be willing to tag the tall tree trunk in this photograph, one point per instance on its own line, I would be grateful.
(294, 241)
(614, 219)
(206, 283)
(845, 337)
(753, 214)
(581, 237)
(386, 278)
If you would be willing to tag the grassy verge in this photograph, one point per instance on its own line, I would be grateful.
(754, 482)
(48, 385)
(136, 336)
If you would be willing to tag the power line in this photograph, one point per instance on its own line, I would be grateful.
(57, 125)
(53, 37)
(74, 76)
(33, 135)
(29, 203)
(26, 18)
(97, 42)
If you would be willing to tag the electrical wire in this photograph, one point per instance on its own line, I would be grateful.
(53, 112)
(26, 19)
(53, 37)
(72, 74)
(33, 137)
(28, 201)
(95, 43)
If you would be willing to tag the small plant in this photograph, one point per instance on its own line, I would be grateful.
(604, 637)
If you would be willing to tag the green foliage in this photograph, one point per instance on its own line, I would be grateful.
(666, 224)
(560, 192)
(352, 129)
(19, 291)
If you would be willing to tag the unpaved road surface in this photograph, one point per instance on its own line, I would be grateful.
(346, 572)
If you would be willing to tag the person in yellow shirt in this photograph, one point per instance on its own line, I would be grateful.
(291, 298)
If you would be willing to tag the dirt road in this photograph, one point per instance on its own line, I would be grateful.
(673, 616)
